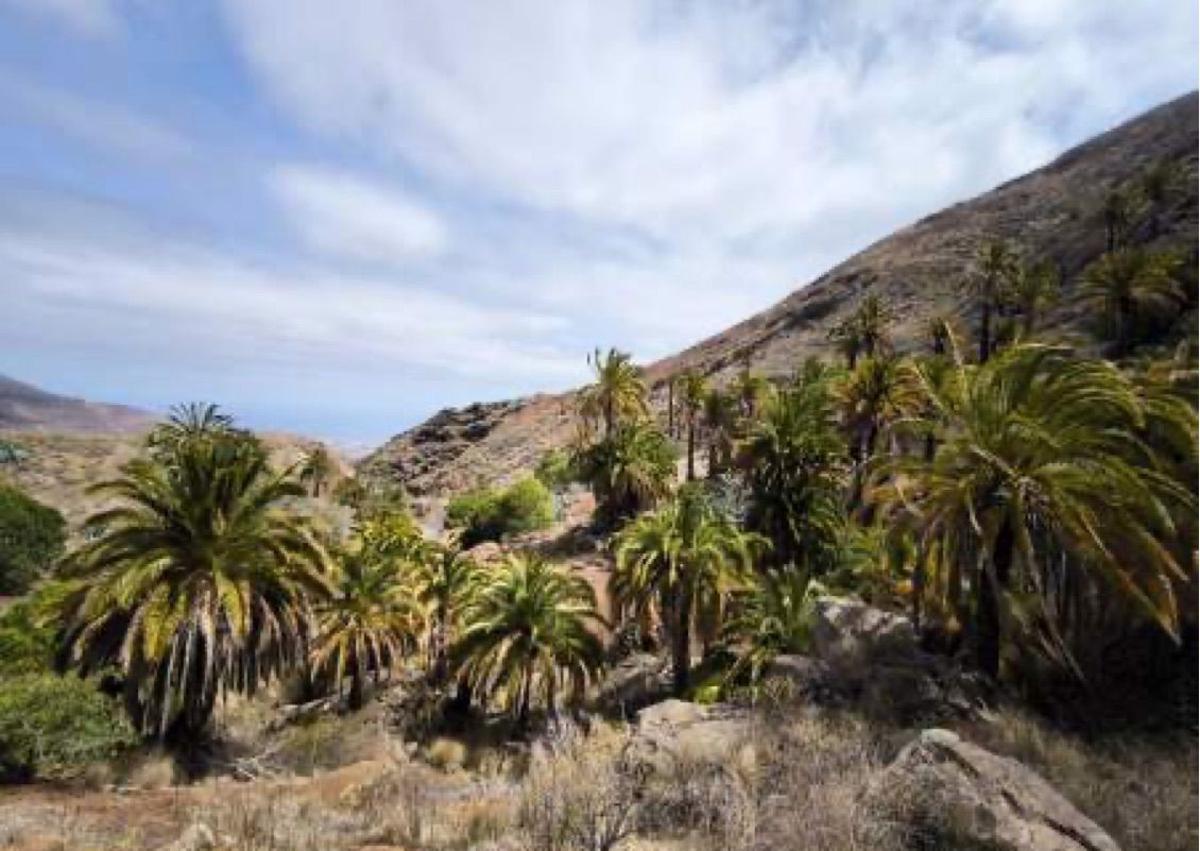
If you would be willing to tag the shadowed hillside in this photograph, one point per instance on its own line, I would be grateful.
(1054, 213)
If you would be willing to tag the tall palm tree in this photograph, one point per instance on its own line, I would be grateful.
(847, 336)
(1119, 211)
(372, 621)
(751, 392)
(996, 267)
(318, 468)
(1126, 287)
(873, 320)
(194, 582)
(1032, 291)
(617, 394)
(531, 631)
(682, 562)
(447, 581)
(695, 391)
(720, 425)
(1044, 480)
(629, 471)
(191, 421)
(880, 392)
(795, 462)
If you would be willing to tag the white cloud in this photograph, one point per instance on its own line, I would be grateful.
(714, 122)
(92, 18)
(348, 216)
(164, 298)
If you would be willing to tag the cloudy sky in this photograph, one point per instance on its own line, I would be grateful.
(336, 217)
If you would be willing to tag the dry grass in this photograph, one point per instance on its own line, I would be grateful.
(811, 785)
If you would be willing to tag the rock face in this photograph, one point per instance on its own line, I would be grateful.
(990, 801)
(635, 682)
(917, 272)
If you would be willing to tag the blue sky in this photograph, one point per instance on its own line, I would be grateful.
(335, 218)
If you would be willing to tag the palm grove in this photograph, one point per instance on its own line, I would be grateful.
(1029, 505)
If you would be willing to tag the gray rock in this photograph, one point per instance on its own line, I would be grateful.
(676, 732)
(636, 681)
(849, 633)
(978, 798)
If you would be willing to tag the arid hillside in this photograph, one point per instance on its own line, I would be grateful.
(29, 408)
(1054, 213)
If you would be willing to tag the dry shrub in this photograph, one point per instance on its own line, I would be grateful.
(813, 789)
(583, 799)
(1143, 790)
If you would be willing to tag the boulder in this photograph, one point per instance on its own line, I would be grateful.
(676, 732)
(976, 798)
(636, 681)
(849, 633)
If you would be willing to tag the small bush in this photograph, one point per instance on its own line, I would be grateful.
(555, 470)
(55, 727)
(25, 646)
(489, 514)
(32, 536)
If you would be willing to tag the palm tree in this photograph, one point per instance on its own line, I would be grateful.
(627, 472)
(795, 462)
(1032, 290)
(448, 579)
(751, 392)
(192, 421)
(1119, 211)
(196, 582)
(847, 336)
(995, 269)
(873, 319)
(695, 391)
(531, 631)
(880, 392)
(1044, 483)
(617, 394)
(682, 563)
(720, 424)
(371, 622)
(317, 468)
(1130, 286)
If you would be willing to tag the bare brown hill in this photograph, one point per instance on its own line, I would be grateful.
(1053, 213)
(29, 408)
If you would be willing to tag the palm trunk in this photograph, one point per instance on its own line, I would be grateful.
(691, 450)
(991, 585)
(985, 330)
(671, 408)
(682, 649)
(526, 689)
(355, 700)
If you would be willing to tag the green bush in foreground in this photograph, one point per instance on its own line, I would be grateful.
(31, 539)
(54, 727)
(489, 514)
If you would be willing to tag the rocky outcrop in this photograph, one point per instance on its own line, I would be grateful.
(870, 658)
(977, 799)
(634, 682)
(1053, 213)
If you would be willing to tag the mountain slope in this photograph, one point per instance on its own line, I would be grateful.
(1054, 212)
(28, 408)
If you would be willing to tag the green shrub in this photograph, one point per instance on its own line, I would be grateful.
(489, 514)
(26, 647)
(54, 727)
(555, 470)
(32, 536)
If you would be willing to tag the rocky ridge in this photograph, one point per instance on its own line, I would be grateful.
(1053, 212)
